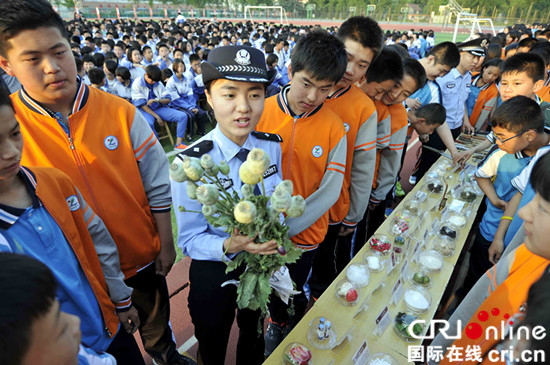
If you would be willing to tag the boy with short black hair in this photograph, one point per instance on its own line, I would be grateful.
(97, 78)
(389, 154)
(33, 329)
(86, 132)
(437, 62)
(362, 38)
(518, 126)
(193, 74)
(314, 156)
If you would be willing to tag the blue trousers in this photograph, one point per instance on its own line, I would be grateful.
(169, 115)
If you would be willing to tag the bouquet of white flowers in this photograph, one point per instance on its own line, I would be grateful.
(251, 215)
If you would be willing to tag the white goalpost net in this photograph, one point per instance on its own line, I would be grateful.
(252, 12)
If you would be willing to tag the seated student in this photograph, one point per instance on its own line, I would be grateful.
(122, 60)
(362, 38)
(389, 156)
(166, 74)
(314, 157)
(152, 99)
(193, 74)
(88, 64)
(483, 95)
(124, 86)
(70, 239)
(518, 126)
(147, 56)
(505, 285)
(438, 62)
(137, 69)
(97, 78)
(109, 68)
(34, 330)
(163, 59)
(183, 99)
(80, 69)
(212, 307)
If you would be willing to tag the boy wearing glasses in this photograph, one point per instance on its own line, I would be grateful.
(518, 126)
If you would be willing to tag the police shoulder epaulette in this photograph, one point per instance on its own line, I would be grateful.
(273, 137)
(197, 149)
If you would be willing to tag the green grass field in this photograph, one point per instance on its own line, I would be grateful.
(448, 37)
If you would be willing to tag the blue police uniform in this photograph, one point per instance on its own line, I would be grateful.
(455, 89)
(212, 307)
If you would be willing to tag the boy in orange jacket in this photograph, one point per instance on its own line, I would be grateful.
(313, 157)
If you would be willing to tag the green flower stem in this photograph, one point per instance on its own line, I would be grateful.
(229, 245)
(263, 187)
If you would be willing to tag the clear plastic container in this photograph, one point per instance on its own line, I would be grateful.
(402, 221)
(382, 358)
(358, 274)
(430, 261)
(457, 221)
(413, 205)
(421, 278)
(375, 261)
(417, 299)
(380, 243)
(322, 339)
(297, 354)
(445, 245)
(401, 325)
(435, 186)
(347, 293)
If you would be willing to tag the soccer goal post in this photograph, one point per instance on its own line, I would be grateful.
(249, 12)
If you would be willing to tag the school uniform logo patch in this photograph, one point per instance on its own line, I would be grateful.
(73, 203)
(346, 126)
(317, 151)
(450, 85)
(111, 142)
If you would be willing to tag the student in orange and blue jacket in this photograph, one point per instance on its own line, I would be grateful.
(314, 156)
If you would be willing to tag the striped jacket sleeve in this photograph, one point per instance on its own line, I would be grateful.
(362, 170)
(107, 253)
(390, 161)
(383, 132)
(152, 163)
(321, 200)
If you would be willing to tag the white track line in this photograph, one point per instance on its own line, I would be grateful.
(412, 144)
(188, 344)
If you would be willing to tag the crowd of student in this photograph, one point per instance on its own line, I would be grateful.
(84, 184)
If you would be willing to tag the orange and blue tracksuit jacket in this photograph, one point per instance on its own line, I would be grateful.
(112, 156)
(61, 230)
(504, 287)
(313, 158)
(358, 113)
(485, 103)
(389, 158)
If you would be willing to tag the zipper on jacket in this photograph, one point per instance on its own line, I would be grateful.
(81, 166)
(291, 147)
